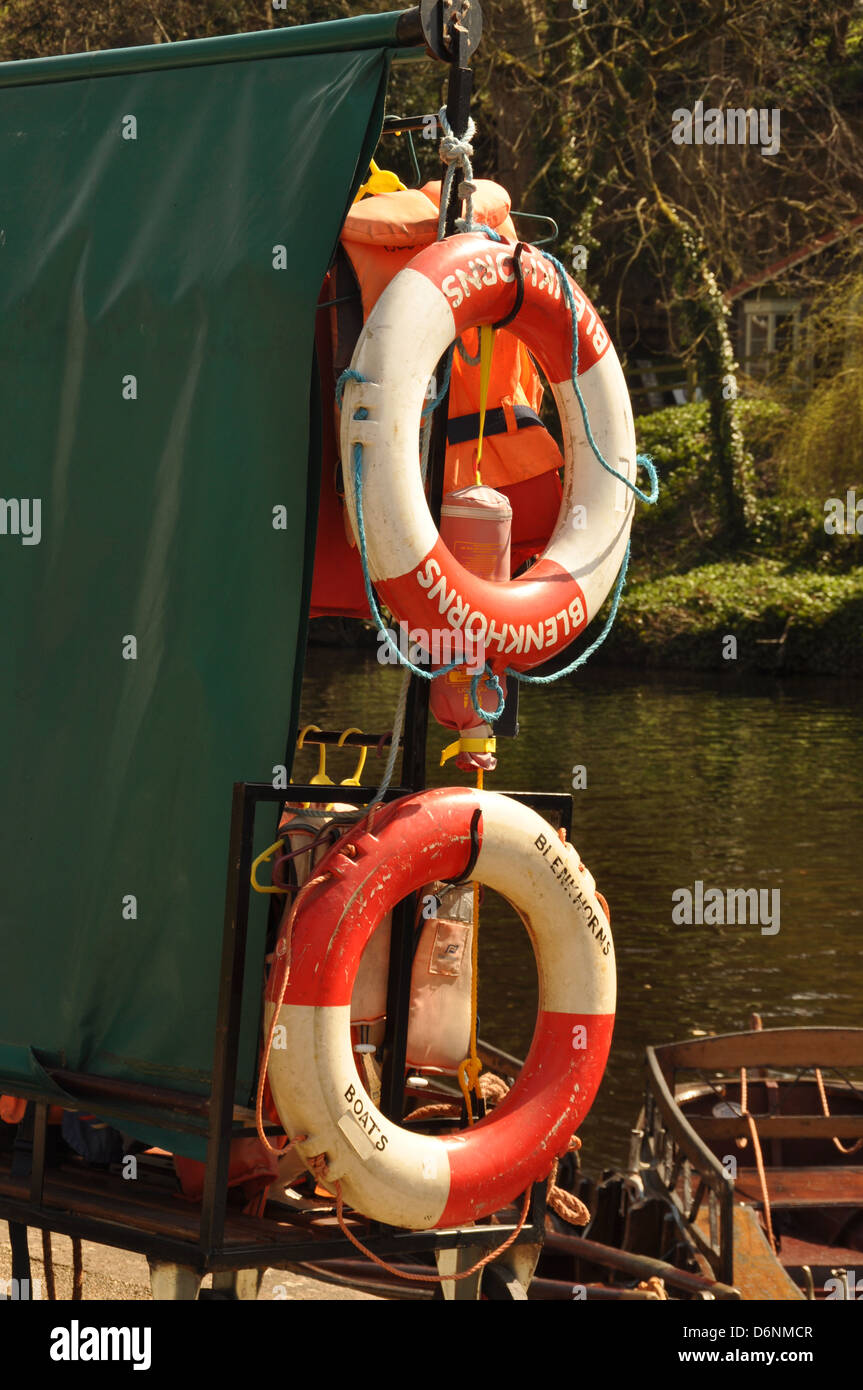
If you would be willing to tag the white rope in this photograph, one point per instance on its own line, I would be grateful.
(398, 725)
(456, 153)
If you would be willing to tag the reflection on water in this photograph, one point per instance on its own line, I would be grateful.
(741, 784)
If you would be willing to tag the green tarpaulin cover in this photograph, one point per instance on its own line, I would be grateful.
(166, 218)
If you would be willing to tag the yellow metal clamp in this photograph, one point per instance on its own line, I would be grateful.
(320, 778)
(467, 745)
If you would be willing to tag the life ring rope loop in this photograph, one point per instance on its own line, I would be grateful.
(530, 619)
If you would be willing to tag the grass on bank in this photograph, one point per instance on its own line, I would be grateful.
(792, 596)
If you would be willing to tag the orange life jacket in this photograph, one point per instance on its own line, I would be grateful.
(381, 235)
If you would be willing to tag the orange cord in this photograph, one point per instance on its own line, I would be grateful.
(759, 1158)
(429, 1278)
(838, 1142)
(469, 1070)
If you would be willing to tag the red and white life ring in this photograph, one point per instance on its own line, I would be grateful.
(454, 285)
(414, 1180)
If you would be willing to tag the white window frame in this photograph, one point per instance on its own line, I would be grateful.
(772, 309)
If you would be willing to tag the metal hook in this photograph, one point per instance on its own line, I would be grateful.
(358, 770)
(320, 776)
(262, 859)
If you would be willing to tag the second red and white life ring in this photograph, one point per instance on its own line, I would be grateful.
(385, 1171)
(455, 285)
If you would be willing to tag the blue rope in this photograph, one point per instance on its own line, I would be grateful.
(362, 414)
(644, 460)
(588, 652)
(492, 683)
(349, 374)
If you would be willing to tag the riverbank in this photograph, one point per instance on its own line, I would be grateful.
(790, 601)
(761, 615)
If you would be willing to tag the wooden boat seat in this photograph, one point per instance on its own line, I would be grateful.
(794, 1252)
(788, 1188)
(714, 1130)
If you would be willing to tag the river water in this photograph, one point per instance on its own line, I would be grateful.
(736, 782)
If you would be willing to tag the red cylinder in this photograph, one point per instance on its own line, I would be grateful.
(476, 526)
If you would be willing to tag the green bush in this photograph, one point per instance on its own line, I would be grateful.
(784, 620)
(678, 435)
(822, 383)
(682, 530)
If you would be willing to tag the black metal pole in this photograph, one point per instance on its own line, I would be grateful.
(228, 1020)
(416, 716)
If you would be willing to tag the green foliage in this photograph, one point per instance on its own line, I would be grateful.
(823, 383)
(675, 437)
(786, 620)
(686, 594)
(686, 524)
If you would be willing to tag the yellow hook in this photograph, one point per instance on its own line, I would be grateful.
(320, 776)
(358, 770)
(261, 859)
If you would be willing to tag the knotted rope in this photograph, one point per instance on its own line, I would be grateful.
(429, 1278)
(456, 153)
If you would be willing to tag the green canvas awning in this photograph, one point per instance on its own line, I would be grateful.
(167, 215)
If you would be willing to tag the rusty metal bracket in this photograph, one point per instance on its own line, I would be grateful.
(452, 28)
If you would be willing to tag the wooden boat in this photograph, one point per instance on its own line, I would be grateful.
(749, 1157)
(745, 1180)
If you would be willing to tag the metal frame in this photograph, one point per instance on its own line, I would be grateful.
(209, 1251)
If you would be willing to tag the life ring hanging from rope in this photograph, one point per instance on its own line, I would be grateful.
(457, 284)
(388, 1173)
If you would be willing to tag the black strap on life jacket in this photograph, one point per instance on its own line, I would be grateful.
(462, 428)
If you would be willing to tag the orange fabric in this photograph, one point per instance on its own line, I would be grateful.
(12, 1109)
(535, 508)
(509, 414)
(506, 458)
(250, 1166)
(380, 240)
(338, 589)
(410, 217)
